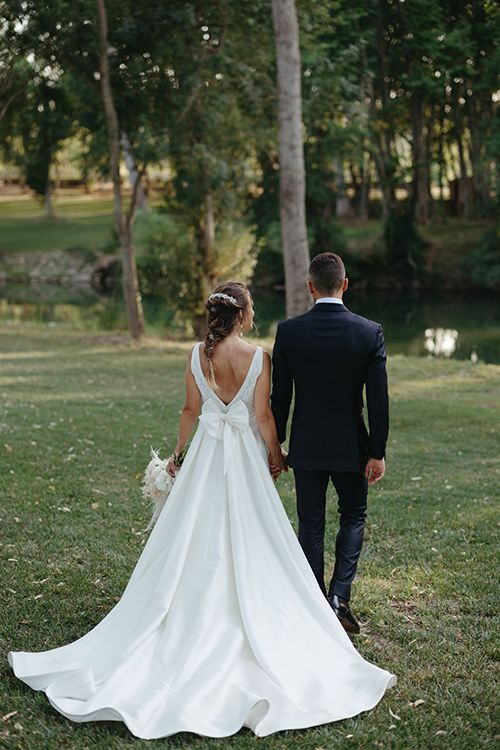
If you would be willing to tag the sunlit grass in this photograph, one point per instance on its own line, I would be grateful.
(84, 221)
(65, 206)
(39, 234)
(79, 412)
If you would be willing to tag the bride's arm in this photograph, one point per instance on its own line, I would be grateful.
(264, 415)
(189, 414)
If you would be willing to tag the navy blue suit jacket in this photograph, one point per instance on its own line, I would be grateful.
(327, 355)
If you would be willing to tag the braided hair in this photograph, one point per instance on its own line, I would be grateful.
(224, 307)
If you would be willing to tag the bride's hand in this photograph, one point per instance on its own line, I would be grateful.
(276, 464)
(171, 468)
(275, 471)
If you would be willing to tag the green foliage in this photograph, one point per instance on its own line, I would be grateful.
(235, 252)
(165, 251)
(483, 264)
(404, 245)
(326, 235)
(87, 254)
(38, 124)
(194, 86)
(269, 270)
(36, 115)
(169, 261)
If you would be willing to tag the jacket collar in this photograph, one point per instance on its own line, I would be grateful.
(333, 306)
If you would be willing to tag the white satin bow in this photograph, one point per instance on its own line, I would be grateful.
(224, 425)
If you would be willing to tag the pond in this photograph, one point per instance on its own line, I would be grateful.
(443, 325)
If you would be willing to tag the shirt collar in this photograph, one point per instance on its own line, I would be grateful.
(329, 299)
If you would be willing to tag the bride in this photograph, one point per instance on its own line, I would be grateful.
(222, 624)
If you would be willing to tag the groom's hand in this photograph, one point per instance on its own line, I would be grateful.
(275, 460)
(374, 470)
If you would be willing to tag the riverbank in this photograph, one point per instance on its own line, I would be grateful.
(83, 227)
(80, 411)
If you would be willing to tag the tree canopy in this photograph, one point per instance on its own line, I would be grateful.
(400, 109)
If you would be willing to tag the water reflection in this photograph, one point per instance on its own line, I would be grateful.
(448, 326)
(441, 342)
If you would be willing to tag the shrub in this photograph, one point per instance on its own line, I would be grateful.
(172, 263)
(483, 264)
(404, 244)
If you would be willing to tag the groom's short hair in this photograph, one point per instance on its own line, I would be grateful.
(327, 273)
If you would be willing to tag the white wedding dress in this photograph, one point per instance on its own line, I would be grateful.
(222, 624)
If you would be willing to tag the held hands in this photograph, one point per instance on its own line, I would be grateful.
(276, 458)
(277, 461)
(374, 470)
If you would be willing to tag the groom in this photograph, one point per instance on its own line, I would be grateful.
(326, 356)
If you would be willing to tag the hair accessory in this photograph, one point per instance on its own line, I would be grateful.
(221, 295)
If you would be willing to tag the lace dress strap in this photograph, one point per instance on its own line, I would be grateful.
(253, 373)
(198, 372)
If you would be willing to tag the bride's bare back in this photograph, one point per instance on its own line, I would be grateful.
(231, 359)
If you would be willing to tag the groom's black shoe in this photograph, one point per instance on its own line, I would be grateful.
(344, 614)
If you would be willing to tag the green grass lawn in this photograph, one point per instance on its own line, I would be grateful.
(79, 412)
(81, 221)
(86, 221)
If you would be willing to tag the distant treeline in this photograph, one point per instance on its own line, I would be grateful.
(400, 111)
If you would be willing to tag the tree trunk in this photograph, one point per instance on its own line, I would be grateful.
(385, 172)
(291, 156)
(420, 194)
(207, 278)
(47, 202)
(477, 116)
(133, 172)
(441, 160)
(209, 238)
(359, 187)
(364, 197)
(200, 327)
(208, 270)
(343, 209)
(429, 145)
(131, 286)
(123, 222)
(464, 180)
(355, 185)
(383, 152)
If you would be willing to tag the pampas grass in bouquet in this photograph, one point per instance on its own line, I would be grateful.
(156, 485)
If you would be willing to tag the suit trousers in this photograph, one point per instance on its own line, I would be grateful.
(352, 491)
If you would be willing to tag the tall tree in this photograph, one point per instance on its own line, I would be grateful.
(291, 156)
(123, 219)
(222, 87)
(35, 115)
